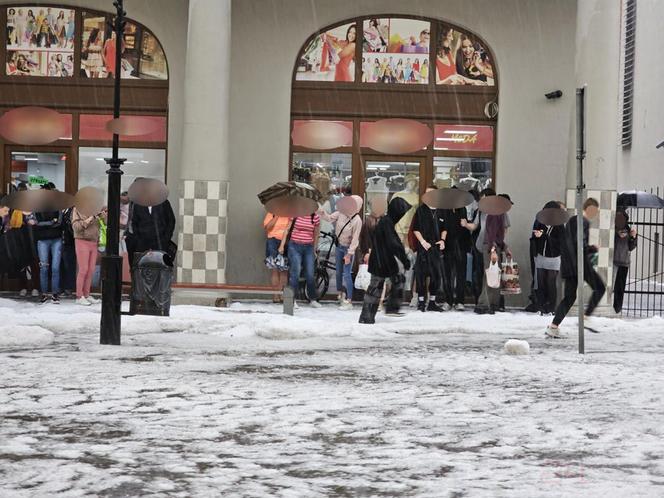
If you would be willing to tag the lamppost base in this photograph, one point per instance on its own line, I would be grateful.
(111, 303)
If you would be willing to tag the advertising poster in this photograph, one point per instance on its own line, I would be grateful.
(98, 48)
(40, 41)
(153, 61)
(395, 51)
(330, 56)
(461, 59)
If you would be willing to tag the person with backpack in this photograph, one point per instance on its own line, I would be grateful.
(48, 235)
(347, 234)
(301, 237)
(569, 268)
(429, 230)
(386, 250)
(548, 241)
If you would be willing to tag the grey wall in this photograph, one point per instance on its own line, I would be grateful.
(643, 166)
(167, 19)
(533, 42)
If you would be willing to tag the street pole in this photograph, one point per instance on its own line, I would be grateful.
(111, 263)
(580, 256)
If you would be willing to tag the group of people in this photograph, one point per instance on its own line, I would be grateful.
(67, 244)
(46, 29)
(450, 250)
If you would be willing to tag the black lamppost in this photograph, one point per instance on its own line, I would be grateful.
(111, 263)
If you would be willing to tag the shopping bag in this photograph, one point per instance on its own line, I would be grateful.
(363, 278)
(493, 275)
(509, 279)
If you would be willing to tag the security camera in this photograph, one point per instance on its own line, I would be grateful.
(554, 95)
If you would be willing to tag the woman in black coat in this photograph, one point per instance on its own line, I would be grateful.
(386, 250)
(548, 242)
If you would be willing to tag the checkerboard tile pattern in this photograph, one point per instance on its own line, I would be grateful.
(602, 232)
(202, 236)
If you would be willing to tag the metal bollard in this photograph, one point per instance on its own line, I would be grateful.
(289, 301)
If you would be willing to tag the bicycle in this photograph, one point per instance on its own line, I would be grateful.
(321, 269)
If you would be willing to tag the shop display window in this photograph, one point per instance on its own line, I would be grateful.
(464, 172)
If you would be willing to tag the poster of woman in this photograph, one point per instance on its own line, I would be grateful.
(330, 56)
(395, 50)
(461, 59)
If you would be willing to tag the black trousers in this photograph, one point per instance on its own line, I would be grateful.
(570, 284)
(619, 287)
(478, 273)
(393, 297)
(547, 290)
(428, 265)
(454, 266)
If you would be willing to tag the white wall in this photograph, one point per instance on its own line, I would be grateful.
(642, 166)
(533, 42)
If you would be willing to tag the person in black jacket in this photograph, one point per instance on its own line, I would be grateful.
(150, 228)
(48, 234)
(429, 230)
(68, 273)
(386, 249)
(568, 268)
(547, 242)
(455, 257)
(624, 242)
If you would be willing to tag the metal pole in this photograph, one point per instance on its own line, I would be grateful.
(111, 264)
(580, 256)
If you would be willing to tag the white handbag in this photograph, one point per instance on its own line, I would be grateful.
(493, 275)
(363, 277)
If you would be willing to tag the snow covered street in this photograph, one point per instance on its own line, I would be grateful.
(248, 402)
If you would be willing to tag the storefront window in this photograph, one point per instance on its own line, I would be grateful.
(40, 41)
(147, 163)
(464, 172)
(329, 56)
(93, 127)
(395, 51)
(36, 169)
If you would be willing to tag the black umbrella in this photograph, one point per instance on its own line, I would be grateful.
(640, 199)
(447, 198)
(290, 199)
(553, 216)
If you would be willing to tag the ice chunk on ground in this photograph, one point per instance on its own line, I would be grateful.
(515, 346)
(24, 336)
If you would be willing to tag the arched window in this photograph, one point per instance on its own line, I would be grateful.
(63, 58)
(384, 105)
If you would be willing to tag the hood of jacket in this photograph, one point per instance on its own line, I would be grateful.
(397, 208)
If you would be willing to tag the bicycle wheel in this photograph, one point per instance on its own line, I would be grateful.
(322, 281)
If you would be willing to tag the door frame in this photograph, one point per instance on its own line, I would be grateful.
(71, 169)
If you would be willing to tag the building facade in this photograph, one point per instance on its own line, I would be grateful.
(259, 91)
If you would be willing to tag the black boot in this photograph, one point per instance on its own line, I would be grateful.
(432, 306)
(368, 314)
(421, 306)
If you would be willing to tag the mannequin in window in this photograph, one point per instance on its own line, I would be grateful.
(410, 194)
(376, 190)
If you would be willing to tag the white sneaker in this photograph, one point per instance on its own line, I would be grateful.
(82, 301)
(23, 293)
(35, 293)
(92, 300)
(460, 307)
(315, 304)
(346, 305)
(295, 305)
(553, 332)
(446, 307)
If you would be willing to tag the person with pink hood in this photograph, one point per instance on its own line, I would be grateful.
(347, 226)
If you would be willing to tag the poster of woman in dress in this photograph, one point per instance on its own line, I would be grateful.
(329, 56)
(461, 59)
(395, 51)
(38, 39)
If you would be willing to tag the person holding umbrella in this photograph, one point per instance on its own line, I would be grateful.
(624, 243)
(347, 226)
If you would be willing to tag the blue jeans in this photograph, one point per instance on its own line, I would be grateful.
(299, 255)
(49, 248)
(344, 277)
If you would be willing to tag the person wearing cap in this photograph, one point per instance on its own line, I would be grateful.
(48, 234)
(347, 231)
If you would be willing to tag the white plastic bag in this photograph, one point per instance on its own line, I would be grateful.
(493, 275)
(363, 278)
